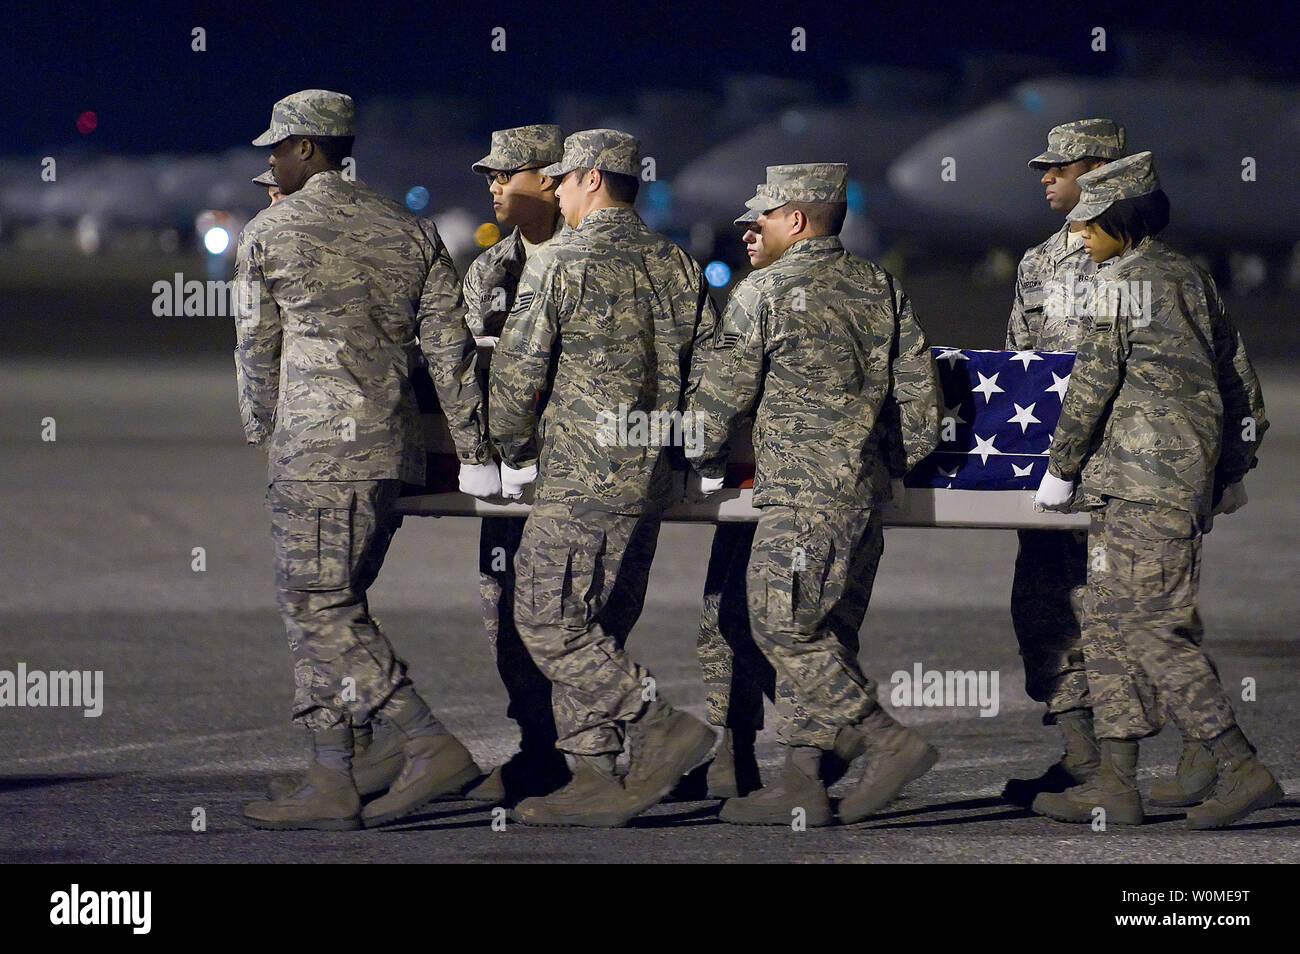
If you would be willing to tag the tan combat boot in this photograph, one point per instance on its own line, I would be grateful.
(323, 800)
(377, 762)
(1192, 783)
(850, 744)
(896, 755)
(594, 798)
(1113, 788)
(734, 769)
(1077, 765)
(527, 774)
(434, 765)
(798, 789)
(664, 744)
(1244, 785)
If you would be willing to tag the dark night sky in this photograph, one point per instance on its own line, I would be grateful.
(133, 66)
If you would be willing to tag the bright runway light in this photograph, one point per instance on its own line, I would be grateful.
(216, 240)
(717, 273)
(417, 197)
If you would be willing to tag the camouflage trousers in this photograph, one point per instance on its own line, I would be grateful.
(1050, 578)
(736, 673)
(1141, 631)
(580, 583)
(810, 578)
(330, 538)
(528, 690)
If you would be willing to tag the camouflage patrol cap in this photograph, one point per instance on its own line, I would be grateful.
(1070, 142)
(266, 179)
(309, 112)
(1125, 178)
(800, 182)
(606, 149)
(751, 215)
(521, 146)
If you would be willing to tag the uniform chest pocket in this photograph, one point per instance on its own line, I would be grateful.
(1034, 299)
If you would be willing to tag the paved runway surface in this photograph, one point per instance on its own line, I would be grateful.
(96, 536)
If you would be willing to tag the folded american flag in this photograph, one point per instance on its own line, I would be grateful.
(1000, 408)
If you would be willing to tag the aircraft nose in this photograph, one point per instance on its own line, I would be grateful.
(973, 168)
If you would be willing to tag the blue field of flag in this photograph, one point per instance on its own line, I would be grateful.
(999, 411)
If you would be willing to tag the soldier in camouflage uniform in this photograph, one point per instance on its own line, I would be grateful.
(375, 762)
(267, 181)
(820, 347)
(602, 332)
(736, 673)
(1160, 424)
(345, 284)
(523, 200)
(1051, 564)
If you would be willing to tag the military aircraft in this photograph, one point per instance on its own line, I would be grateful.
(1222, 149)
(417, 151)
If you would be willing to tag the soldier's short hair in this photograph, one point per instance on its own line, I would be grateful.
(1132, 220)
(825, 218)
(334, 148)
(620, 186)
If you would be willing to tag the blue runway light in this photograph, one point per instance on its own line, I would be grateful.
(856, 197)
(718, 274)
(417, 198)
(659, 195)
(1031, 100)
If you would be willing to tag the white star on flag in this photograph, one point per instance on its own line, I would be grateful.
(952, 356)
(985, 447)
(1059, 384)
(988, 386)
(1022, 472)
(1024, 357)
(950, 473)
(954, 413)
(1024, 416)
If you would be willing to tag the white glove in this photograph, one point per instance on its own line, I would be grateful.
(1233, 499)
(486, 341)
(1054, 493)
(480, 480)
(697, 487)
(514, 481)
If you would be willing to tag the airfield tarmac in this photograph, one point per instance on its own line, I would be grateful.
(96, 539)
(97, 534)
